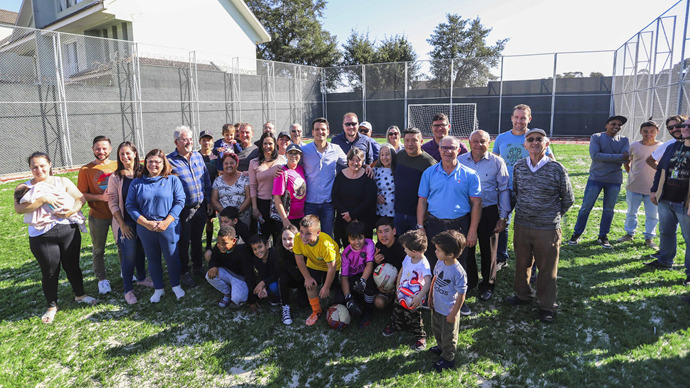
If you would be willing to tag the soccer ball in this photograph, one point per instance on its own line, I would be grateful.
(408, 290)
(385, 276)
(337, 316)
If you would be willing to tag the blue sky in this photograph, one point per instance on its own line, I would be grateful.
(533, 26)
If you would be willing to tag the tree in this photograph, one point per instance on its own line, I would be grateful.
(464, 42)
(596, 74)
(297, 35)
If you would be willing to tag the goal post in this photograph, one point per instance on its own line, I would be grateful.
(462, 117)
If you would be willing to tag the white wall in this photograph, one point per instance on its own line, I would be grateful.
(213, 28)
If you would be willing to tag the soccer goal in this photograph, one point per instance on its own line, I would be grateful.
(463, 117)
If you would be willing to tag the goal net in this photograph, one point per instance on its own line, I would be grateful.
(462, 116)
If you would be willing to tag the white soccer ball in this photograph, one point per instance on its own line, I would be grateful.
(385, 276)
(337, 316)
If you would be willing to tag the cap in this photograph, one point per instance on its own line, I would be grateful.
(365, 124)
(535, 130)
(283, 133)
(293, 147)
(205, 134)
(617, 117)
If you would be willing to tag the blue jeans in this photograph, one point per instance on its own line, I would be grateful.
(326, 213)
(132, 257)
(404, 222)
(229, 283)
(165, 244)
(670, 215)
(592, 191)
(651, 217)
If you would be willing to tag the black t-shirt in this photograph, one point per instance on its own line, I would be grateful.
(393, 255)
(678, 177)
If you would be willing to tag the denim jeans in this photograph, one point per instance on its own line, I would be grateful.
(404, 222)
(651, 217)
(670, 215)
(165, 244)
(326, 213)
(592, 191)
(231, 284)
(132, 257)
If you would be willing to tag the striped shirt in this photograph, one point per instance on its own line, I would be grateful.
(493, 175)
(194, 176)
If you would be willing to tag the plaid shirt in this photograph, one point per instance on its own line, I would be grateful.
(194, 177)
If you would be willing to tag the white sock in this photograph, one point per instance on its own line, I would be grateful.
(179, 292)
(156, 297)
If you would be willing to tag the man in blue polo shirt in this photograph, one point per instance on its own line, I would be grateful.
(190, 167)
(351, 138)
(452, 195)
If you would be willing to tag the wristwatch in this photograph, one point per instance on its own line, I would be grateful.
(420, 226)
(504, 219)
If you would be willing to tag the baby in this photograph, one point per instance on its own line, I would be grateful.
(45, 215)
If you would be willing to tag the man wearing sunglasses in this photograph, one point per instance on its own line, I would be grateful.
(296, 134)
(366, 129)
(609, 151)
(544, 194)
(673, 125)
(351, 138)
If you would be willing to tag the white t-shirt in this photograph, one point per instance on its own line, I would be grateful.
(659, 152)
(414, 271)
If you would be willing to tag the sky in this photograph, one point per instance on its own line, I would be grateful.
(533, 26)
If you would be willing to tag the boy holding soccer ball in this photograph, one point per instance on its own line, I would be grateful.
(447, 296)
(355, 277)
(415, 276)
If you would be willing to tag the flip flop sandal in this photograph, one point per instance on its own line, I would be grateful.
(49, 316)
(87, 299)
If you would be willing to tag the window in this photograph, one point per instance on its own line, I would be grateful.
(71, 59)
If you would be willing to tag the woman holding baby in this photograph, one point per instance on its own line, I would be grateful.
(51, 206)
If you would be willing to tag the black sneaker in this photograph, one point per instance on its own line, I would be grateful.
(547, 316)
(604, 242)
(515, 301)
(657, 264)
(187, 279)
(388, 331)
(464, 310)
(199, 271)
(574, 239)
(442, 364)
(436, 350)
(485, 295)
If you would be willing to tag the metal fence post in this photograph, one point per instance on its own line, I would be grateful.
(364, 92)
(62, 102)
(405, 99)
(553, 92)
(450, 116)
(500, 97)
(682, 67)
(136, 104)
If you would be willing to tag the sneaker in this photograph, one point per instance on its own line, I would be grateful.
(187, 280)
(547, 316)
(604, 242)
(287, 318)
(625, 238)
(464, 310)
(199, 271)
(104, 286)
(130, 298)
(388, 331)
(225, 302)
(436, 350)
(515, 301)
(419, 345)
(501, 264)
(442, 364)
(365, 322)
(313, 318)
(145, 283)
(657, 264)
(486, 295)
(574, 239)
(651, 244)
(687, 281)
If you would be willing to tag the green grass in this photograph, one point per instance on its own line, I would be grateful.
(619, 324)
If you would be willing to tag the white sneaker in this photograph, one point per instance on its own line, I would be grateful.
(104, 286)
(287, 319)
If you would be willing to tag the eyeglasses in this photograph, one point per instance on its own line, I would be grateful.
(448, 148)
(295, 131)
(351, 124)
(154, 161)
(679, 126)
(533, 139)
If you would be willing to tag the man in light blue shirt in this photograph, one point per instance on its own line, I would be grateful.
(322, 161)
(452, 195)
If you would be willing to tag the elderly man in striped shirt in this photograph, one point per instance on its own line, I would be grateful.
(494, 179)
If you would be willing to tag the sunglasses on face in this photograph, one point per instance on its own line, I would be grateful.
(393, 134)
(533, 139)
(671, 127)
(351, 124)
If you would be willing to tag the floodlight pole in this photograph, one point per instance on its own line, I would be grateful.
(500, 97)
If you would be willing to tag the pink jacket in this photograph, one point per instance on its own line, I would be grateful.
(115, 201)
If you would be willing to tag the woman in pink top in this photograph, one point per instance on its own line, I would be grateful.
(261, 173)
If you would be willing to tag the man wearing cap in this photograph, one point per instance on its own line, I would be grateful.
(366, 129)
(609, 151)
(351, 138)
(283, 141)
(296, 134)
(206, 151)
(440, 127)
(544, 194)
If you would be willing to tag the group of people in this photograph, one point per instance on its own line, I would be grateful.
(302, 216)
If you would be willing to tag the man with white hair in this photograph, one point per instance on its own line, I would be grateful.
(543, 195)
(296, 134)
(494, 178)
(190, 167)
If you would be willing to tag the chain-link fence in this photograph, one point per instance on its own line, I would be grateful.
(58, 91)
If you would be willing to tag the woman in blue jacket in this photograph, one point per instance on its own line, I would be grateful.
(155, 201)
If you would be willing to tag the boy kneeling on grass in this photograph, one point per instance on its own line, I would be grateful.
(229, 266)
(415, 270)
(318, 259)
(357, 267)
(447, 296)
(265, 262)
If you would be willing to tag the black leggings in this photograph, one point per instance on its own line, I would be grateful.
(59, 245)
(291, 279)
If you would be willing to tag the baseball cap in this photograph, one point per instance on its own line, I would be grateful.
(365, 124)
(205, 134)
(283, 133)
(293, 147)
(617, 117)
(535, 130)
